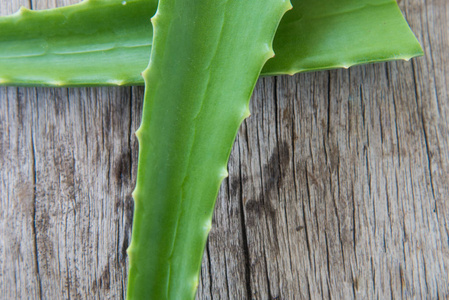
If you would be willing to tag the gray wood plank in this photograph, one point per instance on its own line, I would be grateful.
(338, 184)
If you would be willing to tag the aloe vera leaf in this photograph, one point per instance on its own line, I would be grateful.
(207, 56)
(95, 42)
(323, 34)
(75, 46)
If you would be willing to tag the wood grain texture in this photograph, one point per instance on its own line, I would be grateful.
(338, 184)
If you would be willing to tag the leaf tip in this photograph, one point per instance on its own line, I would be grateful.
(138, 134)
(208, 226)
(155, 18)
(145, 73)
(22, 10)
(57, 83)
(116, 82)
(269, 52)
(407, 58)
(130, 251)
(196, 282)
(224, 173)
(134, 193)
(246, 113)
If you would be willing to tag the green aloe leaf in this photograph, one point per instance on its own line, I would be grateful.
(108, 42)
(95, 42)
(206, 59)
(325, 34)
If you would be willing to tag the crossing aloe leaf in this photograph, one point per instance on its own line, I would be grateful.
(108, 42)
(206, 59)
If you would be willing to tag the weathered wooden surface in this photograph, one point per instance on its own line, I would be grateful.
(338, 187)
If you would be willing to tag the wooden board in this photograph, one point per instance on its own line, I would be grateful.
(338, 186)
